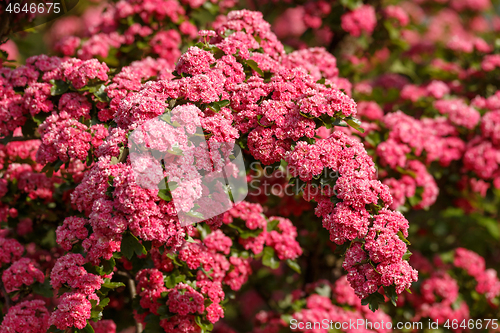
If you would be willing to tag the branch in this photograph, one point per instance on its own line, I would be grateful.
(132, 291)
(12, 139)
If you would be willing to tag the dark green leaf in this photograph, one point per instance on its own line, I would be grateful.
(58, 87)
(44, 289)
(49, 170)
(164, 194)
(57, 165)
(390, 292)
(373, 301)
(88, 329)
(130, 245)
(341, 249)
(153, 324)
(106, 267)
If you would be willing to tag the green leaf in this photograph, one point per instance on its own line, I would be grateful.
(170, 281)
(245, 233)
(217, 106)
(324, 291)
(414, 200)
(113, 285)
(271, 225)
(354, 123)
(106, 267)
(491, 225)
(339, 122)
(54, 329)
(44, 289)
(104, 302)
(57, 165)
(286, 318)
(269, 258)
(393, 32)
(195, 214)
(411, 173)
(164, 194)
(152, 324)
(175, 151)
(341, 249)
(130, 245)
(101, 94)
(58, 87)
(293, 265)
(253, 65)
(174, 279)
(373, 301)
(407, 255)
(351, 4)
(402, 237)
(204, 324)
(171, 185)
(390, 292)
(49, 170)
(87, 329)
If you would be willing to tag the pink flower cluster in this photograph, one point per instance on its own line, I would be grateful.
(340, 306)
(21, 272)
(360, 20)
(441, 286)
(27, 316)
(10, 250)
(487, 280)
(242, 86)
(72, 311)
(408, 137)
(68, 271)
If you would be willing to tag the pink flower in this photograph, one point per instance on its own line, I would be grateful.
(359, 20)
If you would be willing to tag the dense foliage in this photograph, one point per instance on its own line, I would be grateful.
(363, 127)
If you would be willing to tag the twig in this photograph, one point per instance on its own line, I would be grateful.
(5, 296)
(132, 291)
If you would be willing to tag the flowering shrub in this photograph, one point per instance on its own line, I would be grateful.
(374, 125)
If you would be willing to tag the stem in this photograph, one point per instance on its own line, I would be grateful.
(6, 297)
(132, 291)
